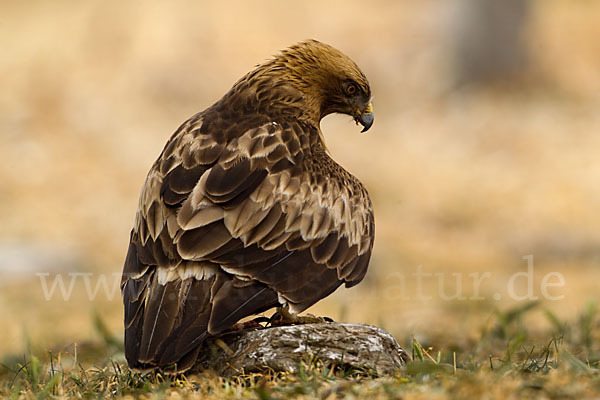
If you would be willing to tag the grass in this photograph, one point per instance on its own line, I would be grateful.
(510, 360)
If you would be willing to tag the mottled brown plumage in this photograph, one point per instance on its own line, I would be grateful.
(244, 210)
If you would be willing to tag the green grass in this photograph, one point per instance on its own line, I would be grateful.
(509, 360)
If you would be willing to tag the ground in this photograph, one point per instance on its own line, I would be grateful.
(486, 255)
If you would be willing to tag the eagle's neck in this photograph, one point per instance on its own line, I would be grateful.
(294, 82)
(274, 94)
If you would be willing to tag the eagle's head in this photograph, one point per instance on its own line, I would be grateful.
(329, 80)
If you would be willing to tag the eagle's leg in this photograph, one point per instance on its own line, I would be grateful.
(283, 316)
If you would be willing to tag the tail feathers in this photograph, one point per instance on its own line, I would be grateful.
(162, 319)
(166, 325)
(134, 293)
(162, 309)
(134, 315)
(193, 324)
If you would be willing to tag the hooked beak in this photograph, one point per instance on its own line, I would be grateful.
(366, 118)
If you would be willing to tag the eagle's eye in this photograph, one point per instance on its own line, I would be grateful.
(350, 89)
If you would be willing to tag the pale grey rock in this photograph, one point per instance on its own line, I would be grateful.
(284, 348)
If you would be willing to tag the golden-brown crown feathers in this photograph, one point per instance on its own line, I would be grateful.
(312, 59)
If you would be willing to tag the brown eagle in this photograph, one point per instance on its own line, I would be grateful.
(244, 210)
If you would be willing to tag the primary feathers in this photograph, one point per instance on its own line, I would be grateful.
(244, 210)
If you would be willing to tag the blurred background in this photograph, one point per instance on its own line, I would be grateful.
(484, 150)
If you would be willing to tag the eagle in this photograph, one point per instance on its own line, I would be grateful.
(244, 210)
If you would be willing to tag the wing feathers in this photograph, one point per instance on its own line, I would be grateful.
(358, 272)
(202, 217)
(197, 243)
(221, 181)
(244, 217)
(323, 252)
(341, 255)
(264, 227)
(182, 180)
